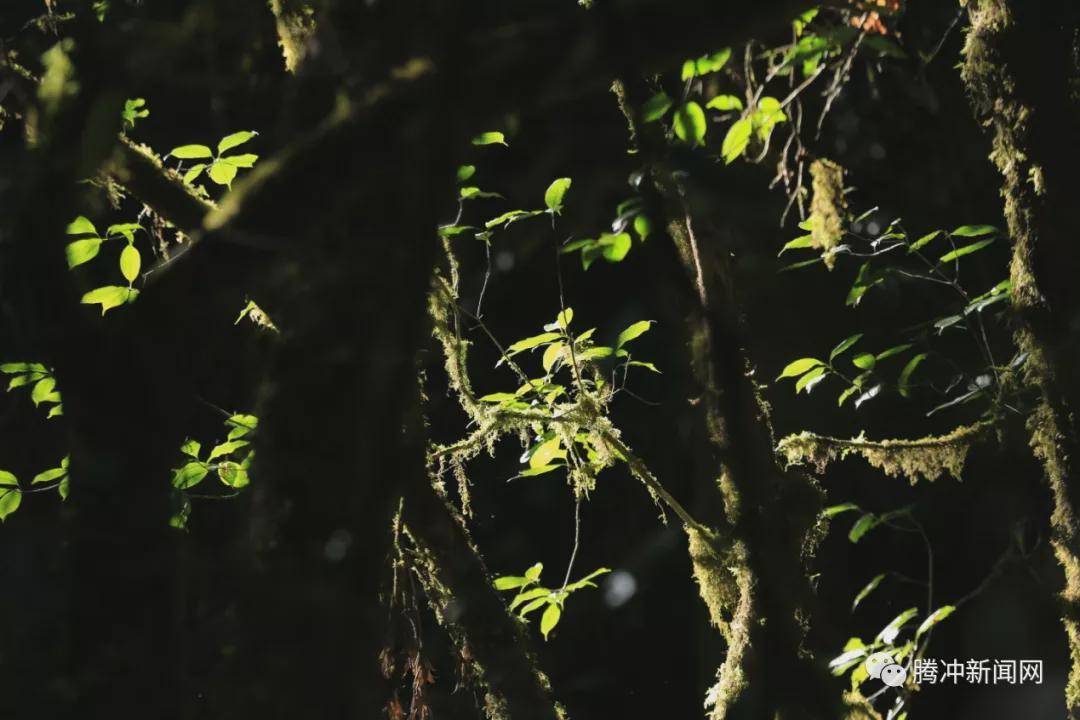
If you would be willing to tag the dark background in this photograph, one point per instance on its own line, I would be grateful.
(905, 134)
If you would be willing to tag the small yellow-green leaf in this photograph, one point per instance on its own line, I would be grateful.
(724, 103)
(490, 138)
(546, 452)
(222, 172)
(867, 589)
(634, 331)
(189, 476)
(464, 172)
(798, 367)
(81, 226)
(966, 250)
(934, 618)
(10, 497)
(550, 619)
(844, 345)
(245, 160)
(614, 247)
(130, 263)
(690, 124)
(191, 152)
(553, 197)
(82, 251)
(193, 173)
(904, 383)
(227, 448)
(736, 140)
(237, 138)
(47, 475)
(864, 361)
(110, 297)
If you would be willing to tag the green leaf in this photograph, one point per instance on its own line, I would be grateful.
(468, 193)
(241, 425)
(189, 476)
(966, 250)
(533, 573)
(233, 474)
(43, 391)
(191, 448)
(227, 448)
(57, 411)
(222, 172)
(643, 227)
(724, 103)
(924, 241)
(867, 589)
(64, 487)
(498, 397)
(975, 231)
(524, 597)
(511, 582)
(81, 226)
(10, 497)
(646, 365)
(655, 107)
(614, 247)
(846, 394)
(541, 470)
(110, 297)
(130, 263)
(595, 353)
(934, 618)
(510, 217)
(798, 367)
(889, 632)
(246, 160)
(550, 619)
(51, 474)
(553, 197)
(634, 331)
(690, 124)
(810, 379)
(546, 452)
(490, 138)
(864, 361)
(863, 525)
(564, 318)
(237, 138)
(837, 509)
(892, 351)
(191, 152)
(464, 172)
(532, 342)
(194, 172)
(903, 384)
(803, 241)
(736, 140)
(844, 345)
(82, 251)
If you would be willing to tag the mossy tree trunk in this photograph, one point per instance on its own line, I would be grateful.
(1020, 71)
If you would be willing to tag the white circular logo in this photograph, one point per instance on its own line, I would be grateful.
(876, 662)
(893, 675)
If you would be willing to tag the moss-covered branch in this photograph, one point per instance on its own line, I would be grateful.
(753, 578)
(928, 458)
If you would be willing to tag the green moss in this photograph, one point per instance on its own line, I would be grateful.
(828, 209)
(928, 458)
(727, 587)
(295, 23)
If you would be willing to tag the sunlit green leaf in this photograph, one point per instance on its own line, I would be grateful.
(614, 247)
(975, 231)
(837, 509)
(222, 172)
(965, 250)
(130, 263)
(553, 197)
(867, 589)
(934, 618)
(237, 138)
(82, 251)
(736, 140)
(191, 152)
(844, 345)
(190, 475)
(10, 497)
(490, 138)
(633, 331)
(110, 297)
(81, 226)
(690, 124)
(550, 619)
(725, 103)
(798, 367)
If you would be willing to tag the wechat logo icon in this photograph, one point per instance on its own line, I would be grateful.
(882, 666)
